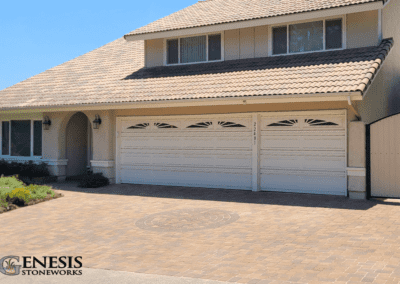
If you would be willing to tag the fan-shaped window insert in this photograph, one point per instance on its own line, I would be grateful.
(139, 126)
(230, 124)
(318, 122)
(164, 125)
(200, 125)
(290, 122)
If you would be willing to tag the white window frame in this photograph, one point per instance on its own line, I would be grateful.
(21, 158)
(179, 49)
(270, 37)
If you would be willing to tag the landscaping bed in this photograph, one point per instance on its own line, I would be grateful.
(14, 194)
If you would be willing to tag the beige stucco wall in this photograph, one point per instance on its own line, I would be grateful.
(383, 96)
(356, 144)
(362, 29)
(356, 159)
(55, 139)
(154, 52)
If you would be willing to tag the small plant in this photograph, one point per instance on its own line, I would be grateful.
(20, 193)
(10, 268)
(91, 180)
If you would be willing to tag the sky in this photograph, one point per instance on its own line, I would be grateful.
(38, 35)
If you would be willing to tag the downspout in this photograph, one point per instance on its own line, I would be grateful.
(353, 108)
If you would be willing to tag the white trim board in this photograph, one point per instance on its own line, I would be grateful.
(56, 162)
(102, 164)
(355, 96)
(358, 172)
(259, 22)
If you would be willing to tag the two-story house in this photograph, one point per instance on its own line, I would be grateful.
(253, 95)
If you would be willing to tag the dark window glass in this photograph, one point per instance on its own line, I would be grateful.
(279, 38)
(21, 138)
(37, 138)
(333, 34)
(214, 47)
(306, 37)
(5, 138)
(193, 49)
(172, 55)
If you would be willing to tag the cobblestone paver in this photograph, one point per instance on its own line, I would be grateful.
(272, 238)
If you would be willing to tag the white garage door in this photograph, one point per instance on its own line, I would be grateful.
(203, 151)
(304, 152)
(292, 152)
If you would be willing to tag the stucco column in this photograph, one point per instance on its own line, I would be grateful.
(103, 144)
(356, 177)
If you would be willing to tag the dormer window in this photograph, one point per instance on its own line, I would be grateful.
(304, 37)
(195, 49)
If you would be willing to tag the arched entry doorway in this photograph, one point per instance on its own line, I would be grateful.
(78, 145)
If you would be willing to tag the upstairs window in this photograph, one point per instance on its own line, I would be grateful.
(307, 37)
(194, 49)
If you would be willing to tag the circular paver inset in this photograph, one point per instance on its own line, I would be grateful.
(185, 220)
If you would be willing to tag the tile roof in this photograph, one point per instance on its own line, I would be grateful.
(114, 73)
(212, 12)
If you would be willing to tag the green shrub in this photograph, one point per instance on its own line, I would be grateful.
(27, 169)
(3, 203)
(39, 191)
(8, 184)
(91, 180)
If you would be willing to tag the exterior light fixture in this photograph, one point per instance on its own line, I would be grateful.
(46, 123)
(96, 122)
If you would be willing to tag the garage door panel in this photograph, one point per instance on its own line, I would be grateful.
(302, 142)
(318, 184)
(288, 161)
(187, 142)
(184, 177)
(175, 159)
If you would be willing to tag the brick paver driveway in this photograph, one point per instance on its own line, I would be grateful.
(224, 235)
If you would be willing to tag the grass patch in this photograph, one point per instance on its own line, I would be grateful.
(14, 192)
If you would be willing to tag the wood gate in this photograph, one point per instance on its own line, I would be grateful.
(383, 151)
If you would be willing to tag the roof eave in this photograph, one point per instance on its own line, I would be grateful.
(259, 99)
(258, 22)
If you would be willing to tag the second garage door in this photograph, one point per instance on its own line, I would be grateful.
(304, 152)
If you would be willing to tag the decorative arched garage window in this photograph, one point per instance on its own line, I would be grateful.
(139, 126)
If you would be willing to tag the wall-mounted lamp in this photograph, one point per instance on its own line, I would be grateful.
(46, 123)
(96, 122)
